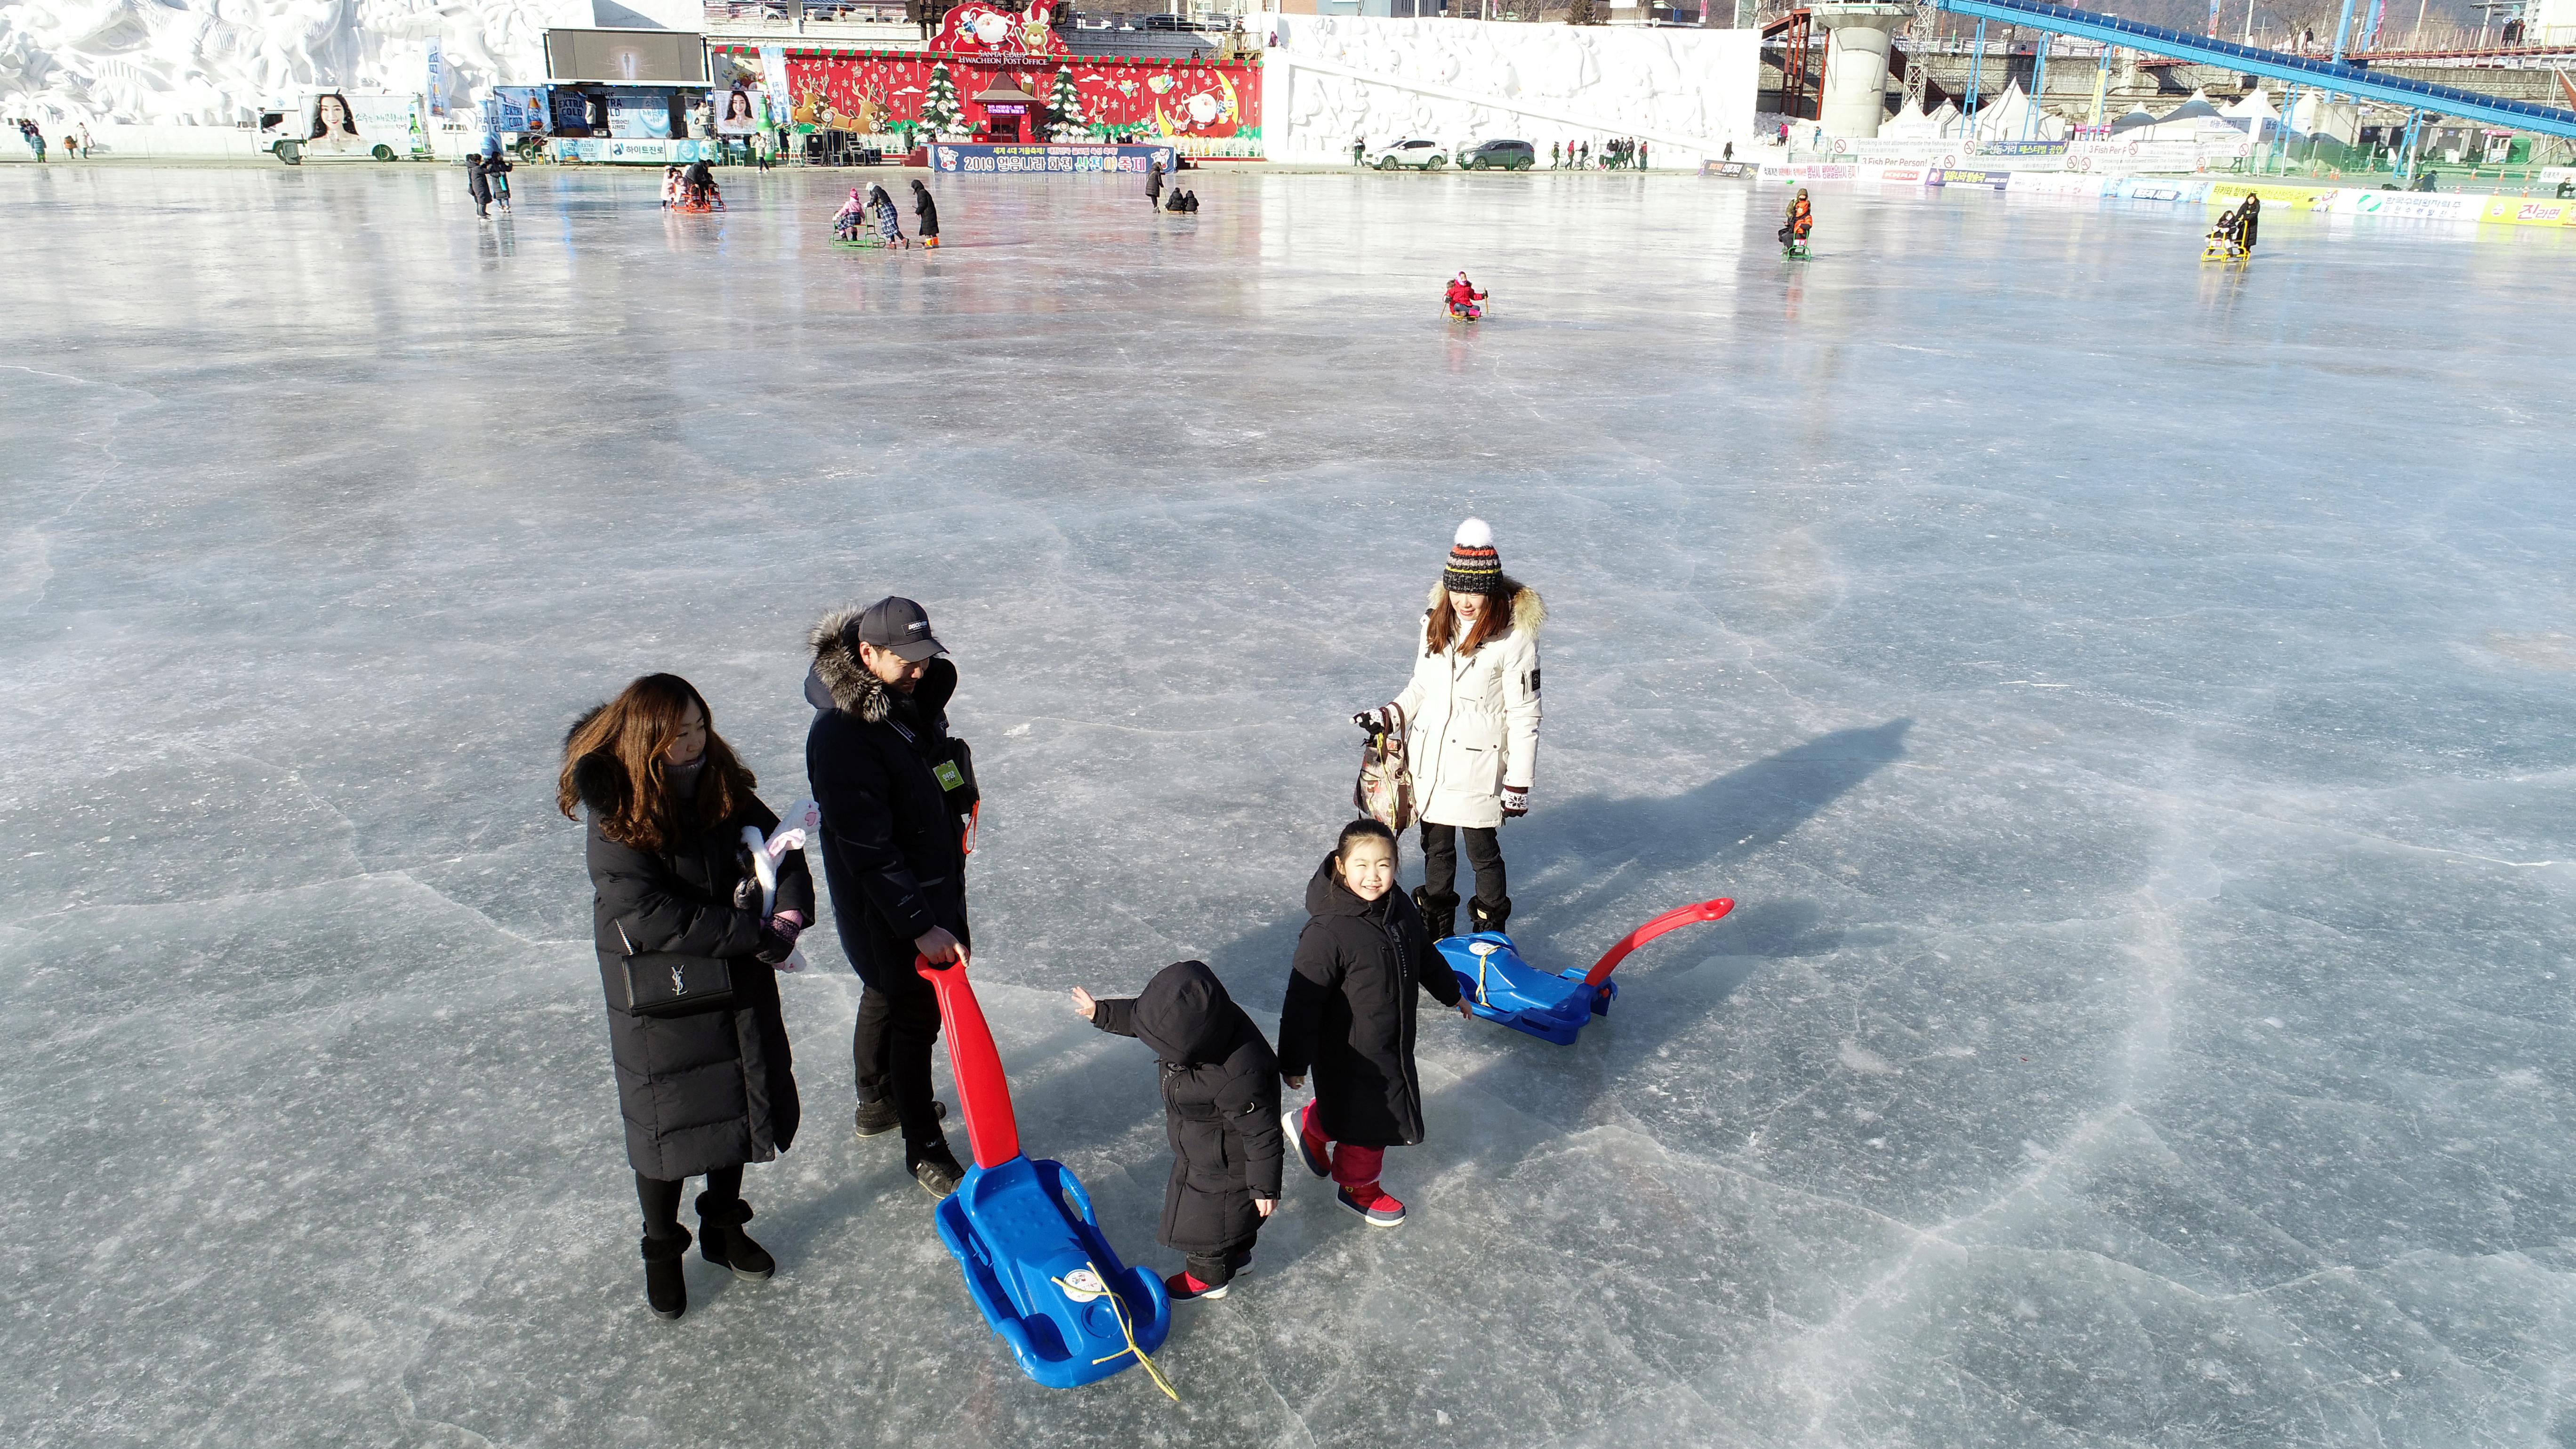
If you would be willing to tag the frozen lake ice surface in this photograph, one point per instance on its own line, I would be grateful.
(2130, 701)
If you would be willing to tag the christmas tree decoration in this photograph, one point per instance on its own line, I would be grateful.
(940, 114)
(1066, 108)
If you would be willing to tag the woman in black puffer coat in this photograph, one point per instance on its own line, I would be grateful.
(1221, 1104)
(1349, 1018)
(704, 1087)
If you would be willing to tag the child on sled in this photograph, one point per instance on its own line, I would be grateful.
(851, 218)
(1463, 298)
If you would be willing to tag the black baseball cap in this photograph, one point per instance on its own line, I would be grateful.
(900, 627)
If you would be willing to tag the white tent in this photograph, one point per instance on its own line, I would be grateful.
(2013, 118)
(2183, 123)
(1912, 125)
(2254, 115)
(2314, 115)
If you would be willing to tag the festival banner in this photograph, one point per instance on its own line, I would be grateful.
(972, 160)
(773, 81)
(1951, 176)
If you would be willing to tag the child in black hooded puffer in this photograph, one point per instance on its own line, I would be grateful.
(1220, 1085)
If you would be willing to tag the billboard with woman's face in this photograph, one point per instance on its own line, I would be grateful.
(333, 126)
(740, 114)
(338, 125)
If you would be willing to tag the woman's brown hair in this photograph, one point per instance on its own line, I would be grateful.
(633, 733)
(1492, 624)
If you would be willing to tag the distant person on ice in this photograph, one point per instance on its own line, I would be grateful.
(703, 1089)
(1220, 1087)
(1349, 1020)
(1463, 298)
(1470, 716)
(1154, 185)
(701, 186)
(925, 214)
(852, 215)
(478, 185)
(889, 222)
(1801, 220)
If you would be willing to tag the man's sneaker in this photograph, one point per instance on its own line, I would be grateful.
(1182, 1288)
(1372, 1203)
(877, 1118)
(1309, 1147)
(939, 1174)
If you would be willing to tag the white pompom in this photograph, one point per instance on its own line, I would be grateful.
(1475, 533)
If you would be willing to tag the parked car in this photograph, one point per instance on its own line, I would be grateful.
(1419, 154)
(1498, 156)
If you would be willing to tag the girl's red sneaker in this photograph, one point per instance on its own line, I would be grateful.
(1184, 1288)
(1371, 1202)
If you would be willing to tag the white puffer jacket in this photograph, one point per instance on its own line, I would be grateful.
(1471, 722)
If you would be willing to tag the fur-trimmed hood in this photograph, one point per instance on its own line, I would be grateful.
(846, 683)
(839, 681)
(1528, 609)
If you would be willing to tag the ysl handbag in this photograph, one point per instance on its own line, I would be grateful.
(664, 983)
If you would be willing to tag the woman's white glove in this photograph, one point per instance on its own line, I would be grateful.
(1515, 801)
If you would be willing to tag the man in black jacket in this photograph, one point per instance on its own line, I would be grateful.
(897, 796)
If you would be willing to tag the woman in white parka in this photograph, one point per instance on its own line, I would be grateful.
(1471, 726)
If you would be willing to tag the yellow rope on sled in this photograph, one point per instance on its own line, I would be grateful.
(1119, 1311)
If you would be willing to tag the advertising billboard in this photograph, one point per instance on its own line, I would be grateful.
(627, 57)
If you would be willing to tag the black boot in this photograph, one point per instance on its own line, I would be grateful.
(1439, 913)
(724, 1243)
(878, 1118)
(666, 1288)
(937, 1170)
(1486, 918)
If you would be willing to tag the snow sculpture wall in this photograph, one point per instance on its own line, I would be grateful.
(1330, 79)
(215, 62)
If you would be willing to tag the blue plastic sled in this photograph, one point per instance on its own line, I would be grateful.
(1025, 1233)
(1501, 987)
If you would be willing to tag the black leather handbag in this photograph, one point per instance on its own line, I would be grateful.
(664, 983)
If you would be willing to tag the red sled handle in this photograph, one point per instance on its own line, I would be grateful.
(1672, 920)
(983, 1093)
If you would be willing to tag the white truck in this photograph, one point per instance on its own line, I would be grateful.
(333, 124)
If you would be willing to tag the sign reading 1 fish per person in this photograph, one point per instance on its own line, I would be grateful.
(972, 160)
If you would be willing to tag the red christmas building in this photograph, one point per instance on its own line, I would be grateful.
(1004, 67)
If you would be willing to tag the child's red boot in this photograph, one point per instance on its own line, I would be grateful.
(1371, 1201)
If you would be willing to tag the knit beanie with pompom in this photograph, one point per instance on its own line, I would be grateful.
(1475, 567)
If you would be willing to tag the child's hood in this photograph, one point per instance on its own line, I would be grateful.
(1185, 1015)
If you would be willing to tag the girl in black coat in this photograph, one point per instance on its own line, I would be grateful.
(1349, 1019)
(1221, 1110)
(925, 212)
(705, 1085)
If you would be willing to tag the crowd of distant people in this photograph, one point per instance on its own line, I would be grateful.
(75, 141)
(1619, 153)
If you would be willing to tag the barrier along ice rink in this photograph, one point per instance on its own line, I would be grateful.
(2127, 700)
